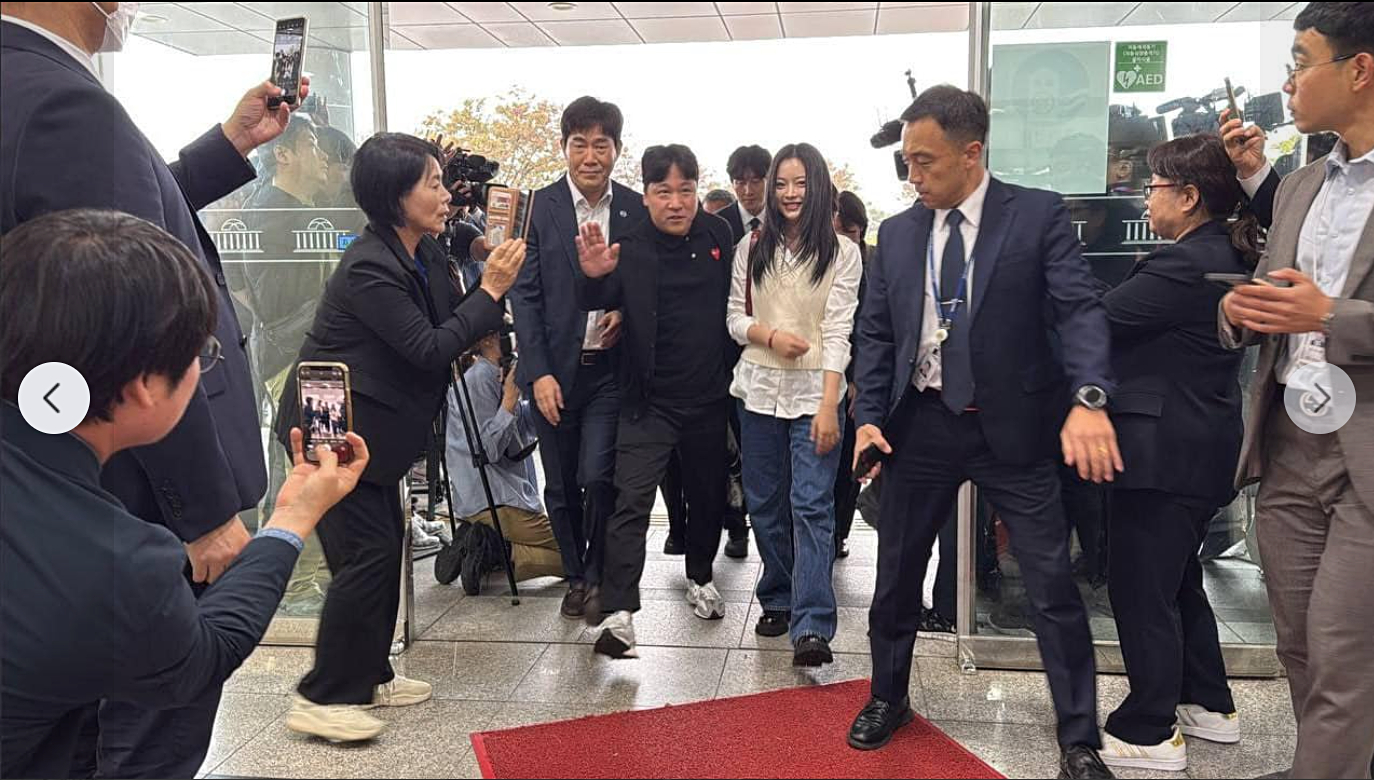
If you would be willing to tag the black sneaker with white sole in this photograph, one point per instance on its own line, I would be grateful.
(812, 652)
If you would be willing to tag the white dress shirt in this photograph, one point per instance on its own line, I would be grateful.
(928, 375)
(792, 394)
(77, 53)
(601, 215)
(1326, 245)
(745, 216)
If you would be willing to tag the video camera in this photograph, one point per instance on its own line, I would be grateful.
(891, 133)
(467, 176)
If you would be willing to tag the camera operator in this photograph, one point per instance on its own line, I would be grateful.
(96, 605)
(505, 431)
(390, 315)
(65, 142)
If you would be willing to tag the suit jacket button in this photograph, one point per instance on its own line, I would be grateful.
(243, 342)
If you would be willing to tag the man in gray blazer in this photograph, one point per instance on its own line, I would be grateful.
(1315, 511)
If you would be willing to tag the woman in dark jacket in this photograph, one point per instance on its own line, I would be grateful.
(1177, 413)
(391, 315)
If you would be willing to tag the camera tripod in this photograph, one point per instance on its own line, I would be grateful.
(446, 564)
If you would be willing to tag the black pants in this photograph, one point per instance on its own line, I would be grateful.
(939, 452)
(846, 489)
(579, 466)
(362, 538)
(1168, 632)
(697, 435)
(675, 498)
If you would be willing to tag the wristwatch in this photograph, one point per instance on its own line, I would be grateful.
(1091, 397)
(1327, 319)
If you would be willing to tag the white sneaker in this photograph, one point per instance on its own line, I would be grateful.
(616, 636)
(334, 722)
(402, 692)
(1171, 755)
(1195, 721)
(706, 600)
(438, 529)
(420, 539)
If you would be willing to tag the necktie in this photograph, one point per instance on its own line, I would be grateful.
(955, 367)
(753, 225)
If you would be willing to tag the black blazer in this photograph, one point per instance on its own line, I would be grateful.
(732, 218)
(398, 337)
(1263, 202)
(633, 288)
(1177, 408)
(1027, 253)
(549, 324)
(67, 143)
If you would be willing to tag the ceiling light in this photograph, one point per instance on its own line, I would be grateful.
(147, 18)
(563, 6)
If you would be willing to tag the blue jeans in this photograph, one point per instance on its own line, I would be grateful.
(782, 470)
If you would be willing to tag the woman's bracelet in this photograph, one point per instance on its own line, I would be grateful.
(770, 338)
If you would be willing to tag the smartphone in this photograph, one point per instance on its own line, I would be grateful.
(1231, 102)
(870, 457)
(326, 400)
(288, 59)
(1229, 280)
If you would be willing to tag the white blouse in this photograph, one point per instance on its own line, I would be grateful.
(791, 394)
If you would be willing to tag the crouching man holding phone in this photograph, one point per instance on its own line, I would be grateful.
(95, 604)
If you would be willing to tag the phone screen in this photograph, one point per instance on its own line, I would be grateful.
(326, 414)
(288, 51)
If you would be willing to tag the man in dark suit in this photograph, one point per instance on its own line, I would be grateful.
(64, 143)
(564, 356)
(956, 372)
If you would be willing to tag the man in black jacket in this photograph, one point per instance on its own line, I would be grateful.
(674, 375)
(65, 142)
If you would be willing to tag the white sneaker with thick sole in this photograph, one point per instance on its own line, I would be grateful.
(706, 601)
(1171, 755)
(1195, 721)
(334, 722)
(402, 692)
(615, 637)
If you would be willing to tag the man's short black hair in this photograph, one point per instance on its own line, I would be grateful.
(385, 169)
(110, 295)
(338, 148)
(587, 113)
(963, 115)
(1349, 26)
(659, 161)
(748, 161)
(720, 196)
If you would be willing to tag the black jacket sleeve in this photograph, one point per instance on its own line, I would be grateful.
(210, 168)
(1080, 319)
(527, 302)
(608, 292)
(1263, 202)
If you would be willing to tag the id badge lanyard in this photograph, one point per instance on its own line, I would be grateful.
(948, 310)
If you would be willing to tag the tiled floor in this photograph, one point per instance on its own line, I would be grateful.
(495, 666)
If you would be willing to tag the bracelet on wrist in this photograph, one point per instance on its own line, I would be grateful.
(770, 338)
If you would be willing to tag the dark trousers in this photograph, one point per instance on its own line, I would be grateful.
(675, 498)
(939, 452)
(945, 599)
(846, 489)
(644, 444)
(579, 466)
(1167, 629)
(362, 538)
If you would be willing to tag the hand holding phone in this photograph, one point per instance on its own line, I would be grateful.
(1231, 102)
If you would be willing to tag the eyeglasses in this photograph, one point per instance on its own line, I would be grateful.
(1150, 188)
(210, 355)
(1295, 69)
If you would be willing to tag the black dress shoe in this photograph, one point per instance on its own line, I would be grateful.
(841, 549)
(674, 546)
(1081, 762)
(812, 652)
(591, 607)
(737, 548)
(773, 624)
(878, 722)
(575, 603)
(933, 622)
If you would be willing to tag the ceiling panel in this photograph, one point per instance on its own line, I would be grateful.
(746, 9)
(213, 43)
(921, 19)
(342, 38)
(807, 8)
(170, 18)
(232, 14)
(451, 36)
(1012, 16)
(396, 41)
(541, 12)
(591, 33)
(488, 12)
(754, 28)
(682, 30)
(1287, 14)
(1061, 15)
(665, 10)
(318, 14)
(1251, 12)
(402, 14)
(829, 24)
(519, 34)
(1178, 13)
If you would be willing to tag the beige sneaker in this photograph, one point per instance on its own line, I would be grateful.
(1171, 755)
(1195, 721)
(334, 722)
(402, 692)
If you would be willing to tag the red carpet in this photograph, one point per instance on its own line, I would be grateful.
(798, 733)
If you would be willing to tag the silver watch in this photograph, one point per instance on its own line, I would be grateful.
(1091, 397)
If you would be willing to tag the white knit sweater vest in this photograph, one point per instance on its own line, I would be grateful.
(788, 301)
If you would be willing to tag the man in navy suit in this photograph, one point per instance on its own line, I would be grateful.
(67, 143)
(564, 350)
(957, 382)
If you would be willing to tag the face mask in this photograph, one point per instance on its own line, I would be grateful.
(117, 26)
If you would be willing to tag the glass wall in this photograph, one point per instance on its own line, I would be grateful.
(1080, 93)
(281, 235)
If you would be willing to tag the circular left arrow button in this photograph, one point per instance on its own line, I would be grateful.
(54, 398)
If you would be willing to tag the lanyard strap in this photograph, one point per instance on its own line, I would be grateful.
(959, 298)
